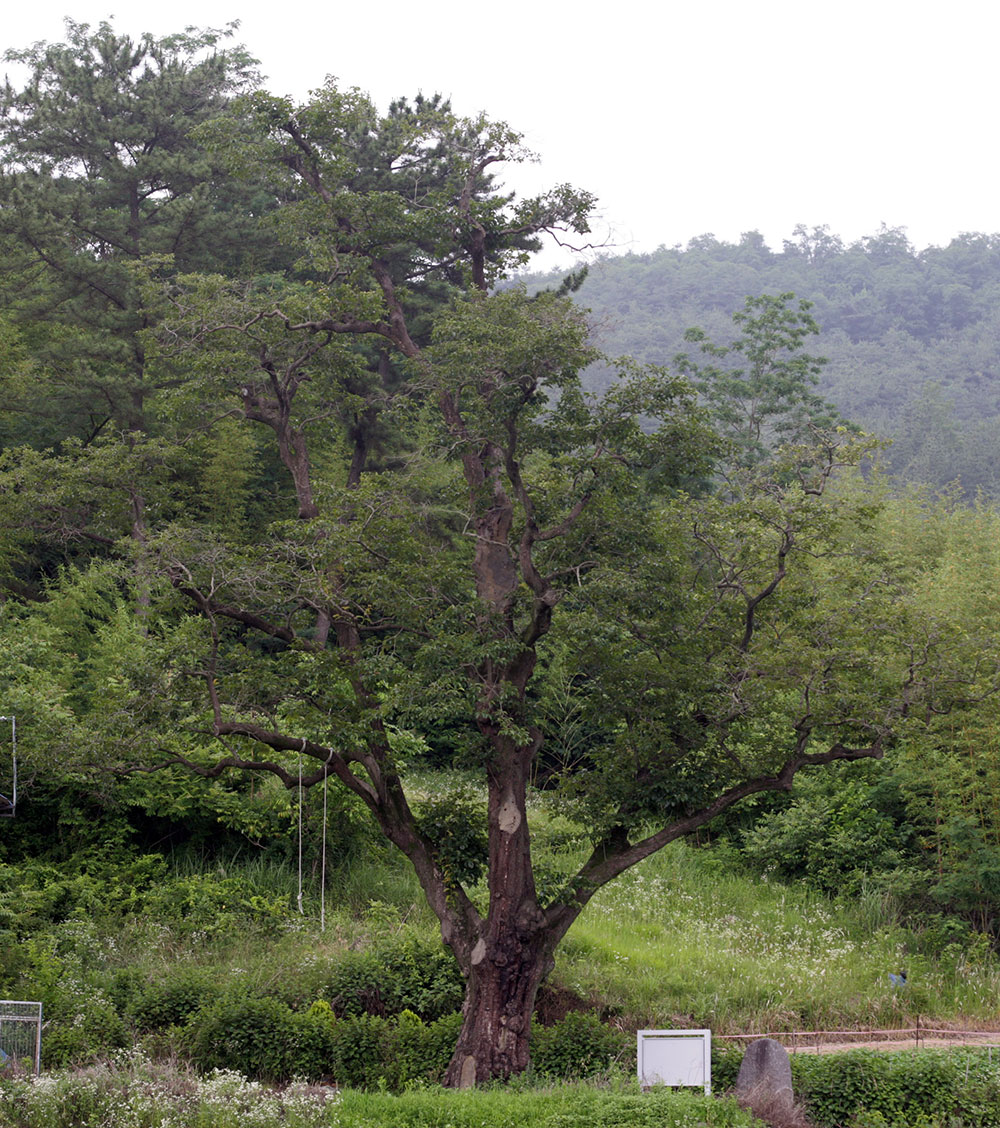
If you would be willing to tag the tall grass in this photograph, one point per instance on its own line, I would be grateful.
(681, 940)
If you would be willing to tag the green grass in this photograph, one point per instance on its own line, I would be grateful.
(132, 1092)
(678, 939)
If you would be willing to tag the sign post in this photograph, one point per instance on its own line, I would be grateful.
(675, 1057)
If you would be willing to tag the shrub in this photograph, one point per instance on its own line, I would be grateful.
(455, 822)
(727, 1057)
(261, 1038)
(95, 1030)
(927, 1088)
(402, 973)
(358, 1056)
(173, 1000)
(577, 1046)
(417, 1052)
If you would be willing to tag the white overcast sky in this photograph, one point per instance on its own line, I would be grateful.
(687, 117)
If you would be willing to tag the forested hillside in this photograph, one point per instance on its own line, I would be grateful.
(912, 336)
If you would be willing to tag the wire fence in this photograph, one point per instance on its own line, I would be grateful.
(20, 1036)
(828, 1041)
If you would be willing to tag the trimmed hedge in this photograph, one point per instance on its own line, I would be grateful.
(578, 1046)
(266, 1040)
(929, 1088)
(957, 1088)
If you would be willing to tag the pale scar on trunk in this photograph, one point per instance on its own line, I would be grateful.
(468, 1076)
(508, 817)
(478, 952)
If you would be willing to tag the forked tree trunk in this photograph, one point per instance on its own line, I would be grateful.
(499, 1001)
(513, 952)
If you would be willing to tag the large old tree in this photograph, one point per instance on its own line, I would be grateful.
(723, 625)
(379, 501)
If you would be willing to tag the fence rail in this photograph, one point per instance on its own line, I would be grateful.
(818, 1040)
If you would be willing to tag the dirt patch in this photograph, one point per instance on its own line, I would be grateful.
(552, 1004)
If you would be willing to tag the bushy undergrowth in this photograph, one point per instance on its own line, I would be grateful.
(132, 1092)
(264, 1039)
(910, 1089)
(579, 1046)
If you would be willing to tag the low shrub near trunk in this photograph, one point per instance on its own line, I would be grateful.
(262, 1038)
(579, 1045)
(268, 1041)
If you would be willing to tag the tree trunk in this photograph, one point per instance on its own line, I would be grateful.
(513, 952)
(499, 1001)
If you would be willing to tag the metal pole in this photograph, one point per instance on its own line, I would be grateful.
(13, 755)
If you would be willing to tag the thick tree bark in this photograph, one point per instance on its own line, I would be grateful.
(500, 998)
(513, 952)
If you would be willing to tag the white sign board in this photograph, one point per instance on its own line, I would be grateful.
(675, 1057)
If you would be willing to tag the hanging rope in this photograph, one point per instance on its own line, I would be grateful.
(322, 883)
(8, 804)
(301, 750)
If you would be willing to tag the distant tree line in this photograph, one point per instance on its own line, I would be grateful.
(912, 337)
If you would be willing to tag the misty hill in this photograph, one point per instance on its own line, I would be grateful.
(912, 337)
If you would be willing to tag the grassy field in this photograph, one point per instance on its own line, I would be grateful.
(683, 938)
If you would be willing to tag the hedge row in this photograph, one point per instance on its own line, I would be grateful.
(264, 1039)
(956, 1088)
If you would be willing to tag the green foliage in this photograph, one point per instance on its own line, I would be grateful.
(396, 974)
(174, 998)
(100, 169)
(933, 1088)
(771, 400)
(727, 1057)
(35, 894)
(94, 1031)
(579, 1045)
(839, 828)
(455, 822)
(261, 1038)
(359, 1057)
(264, 1039)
